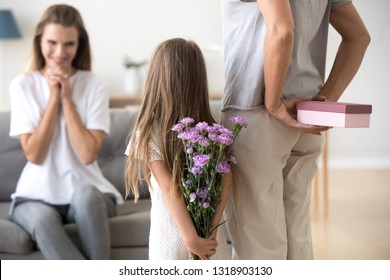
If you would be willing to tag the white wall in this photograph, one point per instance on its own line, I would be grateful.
(367, 147)
(131, 27)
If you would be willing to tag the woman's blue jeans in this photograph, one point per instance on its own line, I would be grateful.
(89, 210)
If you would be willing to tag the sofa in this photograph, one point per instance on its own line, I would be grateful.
(129, 229)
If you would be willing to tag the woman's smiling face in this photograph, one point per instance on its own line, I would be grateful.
(59, 46)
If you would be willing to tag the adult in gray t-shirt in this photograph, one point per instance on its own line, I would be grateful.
(275, 55)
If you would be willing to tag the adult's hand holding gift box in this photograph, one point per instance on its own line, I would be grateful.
(334, 114)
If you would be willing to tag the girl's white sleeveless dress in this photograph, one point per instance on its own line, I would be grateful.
(165, 241)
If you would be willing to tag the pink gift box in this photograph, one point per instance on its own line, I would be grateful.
(334, 114)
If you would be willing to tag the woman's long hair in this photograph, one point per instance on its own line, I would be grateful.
(176, 87)
(66, 16)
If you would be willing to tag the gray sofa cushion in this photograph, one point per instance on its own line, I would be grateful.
(12, 159)
(130, 228)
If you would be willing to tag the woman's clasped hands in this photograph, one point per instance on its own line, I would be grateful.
(58, 83)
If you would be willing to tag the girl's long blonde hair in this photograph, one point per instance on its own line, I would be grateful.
(176, 87)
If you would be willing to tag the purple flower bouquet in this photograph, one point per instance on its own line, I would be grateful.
(207, 159)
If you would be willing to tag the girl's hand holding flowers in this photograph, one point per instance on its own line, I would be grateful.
(203, 248)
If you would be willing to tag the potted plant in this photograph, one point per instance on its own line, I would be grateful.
(132, 77)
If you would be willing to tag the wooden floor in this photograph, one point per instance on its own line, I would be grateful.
(352, 219)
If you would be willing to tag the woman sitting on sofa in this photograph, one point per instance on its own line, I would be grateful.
(59, 111)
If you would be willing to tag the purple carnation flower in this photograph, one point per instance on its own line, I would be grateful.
(239, 120)
(189, 135)
(196, 170)
(223, 167)
(213, 136)
(201, 160)
(187, 121)
(206, 204)
(192, 135)
(218, 126)
(186, 183)
(233, 159)
(202, 125)
(192, 197)
(226, 131)
(178, 127)
(225, 139)
(202, 192)
(203, 141)
(212, 129)
(181, 135)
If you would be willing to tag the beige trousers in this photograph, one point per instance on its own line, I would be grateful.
(268, 210)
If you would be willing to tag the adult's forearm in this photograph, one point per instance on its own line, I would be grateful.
(37, 144)
(347, 62)
(278, 45)
(355, 40)
(277, 55)
(85, 143)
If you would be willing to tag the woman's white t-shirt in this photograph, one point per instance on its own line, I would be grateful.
(62, 171)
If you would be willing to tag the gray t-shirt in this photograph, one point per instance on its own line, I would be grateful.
(243, 35)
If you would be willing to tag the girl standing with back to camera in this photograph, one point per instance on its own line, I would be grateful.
(59, 111)
(176, 87)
